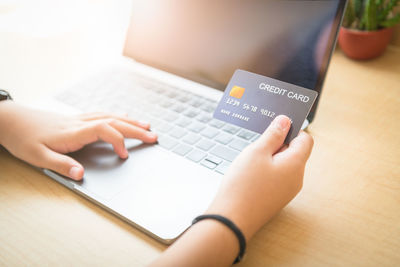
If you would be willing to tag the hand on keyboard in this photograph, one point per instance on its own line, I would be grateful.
(263, 178)
(41, 138)
(182, 119)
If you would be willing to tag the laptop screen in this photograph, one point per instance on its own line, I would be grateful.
(206, 41)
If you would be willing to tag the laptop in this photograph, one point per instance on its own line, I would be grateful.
(178, 58)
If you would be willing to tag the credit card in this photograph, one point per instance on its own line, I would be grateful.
(252, 101)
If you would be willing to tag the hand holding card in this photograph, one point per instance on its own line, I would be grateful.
(252, 101)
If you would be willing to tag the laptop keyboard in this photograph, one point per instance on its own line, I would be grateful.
(182, 120)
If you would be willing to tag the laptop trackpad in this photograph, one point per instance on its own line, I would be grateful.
(106, 174)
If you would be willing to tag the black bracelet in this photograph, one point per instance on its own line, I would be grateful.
(4, 95)
(232, 226)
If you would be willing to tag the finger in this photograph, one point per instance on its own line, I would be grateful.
(103, 116)
(61, 164)
(274, 136)
(94, 116)
(132, 131)
(299, 149)
(283, 148)
(102, 130)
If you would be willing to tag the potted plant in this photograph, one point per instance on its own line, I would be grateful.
(368, 27)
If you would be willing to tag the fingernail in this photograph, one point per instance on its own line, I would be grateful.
(143, 124)
(75, 173)
(151, 135)
(125, 154)
(282, 122)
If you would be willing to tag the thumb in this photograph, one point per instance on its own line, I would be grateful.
(274, 136)
(62, 164)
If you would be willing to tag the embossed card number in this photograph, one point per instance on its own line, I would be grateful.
(252, 101)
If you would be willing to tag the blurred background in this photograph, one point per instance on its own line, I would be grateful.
(79, 36)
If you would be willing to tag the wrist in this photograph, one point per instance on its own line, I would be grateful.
(5, 114)
(228, 224)
(238, 214)
(217, 232)
(206, 243)
(5, 105)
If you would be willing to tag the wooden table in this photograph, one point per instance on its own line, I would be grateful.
(348, 213)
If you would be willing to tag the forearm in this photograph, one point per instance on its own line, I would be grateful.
(207, 243)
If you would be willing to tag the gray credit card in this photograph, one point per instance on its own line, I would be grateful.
(252, 101)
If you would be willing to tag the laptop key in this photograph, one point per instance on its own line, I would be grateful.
(145, 117)
(154, 123)
(154, 98)
(166, 103)
(184, 98)
(151, 119)
(164, 127)
(245, 134)
(204, 118)
(255, 137)
(196, 155)
(172, 94)
(183, 121)
(158, 89)
(238, 144)
(208, 107)
(177, 132)
(191, 138)
(214, 159)
(167, 142)
(209, 132)
(171, 116)
(231, 129)
(156, 112)
(208, 164)
(224, 152)
(179, 108)
(196, 102)
(223, 138)
(191, 113)
(205, 144)
(216, 123)
(196, 127)
(223, 167)
(182, 149)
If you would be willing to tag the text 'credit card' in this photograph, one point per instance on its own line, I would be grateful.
(252, 101)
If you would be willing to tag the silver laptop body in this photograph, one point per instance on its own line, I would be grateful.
(179, 55)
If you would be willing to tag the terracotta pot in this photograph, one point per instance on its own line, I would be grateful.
(364, 44)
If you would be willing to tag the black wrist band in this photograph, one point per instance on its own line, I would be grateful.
(4, 95)
(232, 226)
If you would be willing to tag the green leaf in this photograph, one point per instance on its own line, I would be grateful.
(391, 4)
(370, 16)
(348, 16)
(357, 6)
(390, 22)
